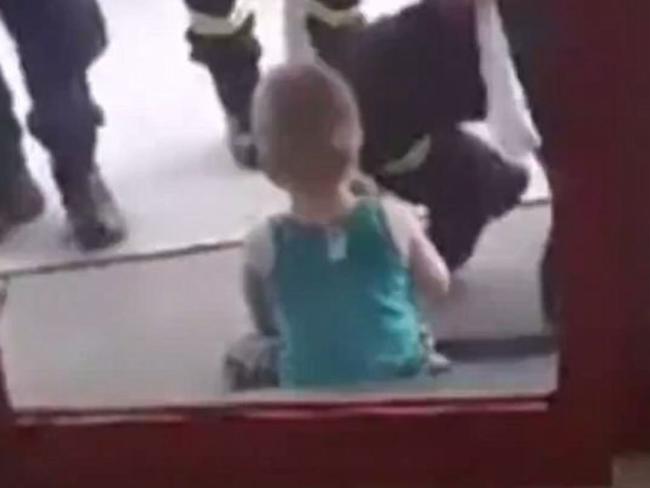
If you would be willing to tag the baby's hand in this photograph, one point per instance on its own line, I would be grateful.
(363, 185)
(422, 214)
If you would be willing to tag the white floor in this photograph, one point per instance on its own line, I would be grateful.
(162, 149)
(154, 332)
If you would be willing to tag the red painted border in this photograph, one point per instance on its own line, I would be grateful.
(395, 450)
(516, 443)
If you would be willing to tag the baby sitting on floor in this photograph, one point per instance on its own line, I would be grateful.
(333, 284)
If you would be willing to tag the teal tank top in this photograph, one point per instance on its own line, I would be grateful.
(347, 305)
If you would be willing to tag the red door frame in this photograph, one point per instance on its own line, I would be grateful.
(633, 411)
(633, 408)
(561, 440)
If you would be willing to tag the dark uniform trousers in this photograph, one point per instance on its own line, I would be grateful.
(57, 41)
(222, 38)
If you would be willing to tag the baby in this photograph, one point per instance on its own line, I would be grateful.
(333, 284)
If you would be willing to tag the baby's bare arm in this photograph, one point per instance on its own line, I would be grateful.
(429, 269)
(258, 302)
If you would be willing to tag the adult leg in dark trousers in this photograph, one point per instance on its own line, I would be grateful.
(330, 23)
(20, 199)
(58, 40)
(222, 37)
(529, 25)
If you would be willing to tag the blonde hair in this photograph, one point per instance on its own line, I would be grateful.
(306, 126)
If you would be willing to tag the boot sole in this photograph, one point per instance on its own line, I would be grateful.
(96, 239)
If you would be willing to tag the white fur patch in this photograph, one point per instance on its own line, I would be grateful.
(210, 25)
(414, 158)
(333, 17)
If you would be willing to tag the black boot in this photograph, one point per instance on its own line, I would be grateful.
(240, 142)
(332, 43)
(20, 202)
(93, 215)
(232, 62)
(235, 82)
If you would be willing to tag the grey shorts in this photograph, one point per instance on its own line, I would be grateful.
(253, 362)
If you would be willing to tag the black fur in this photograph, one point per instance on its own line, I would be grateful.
(417, 74)
(464, 184)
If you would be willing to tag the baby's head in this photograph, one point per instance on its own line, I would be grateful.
(307, 128)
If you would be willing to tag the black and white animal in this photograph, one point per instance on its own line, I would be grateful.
(417, 77)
